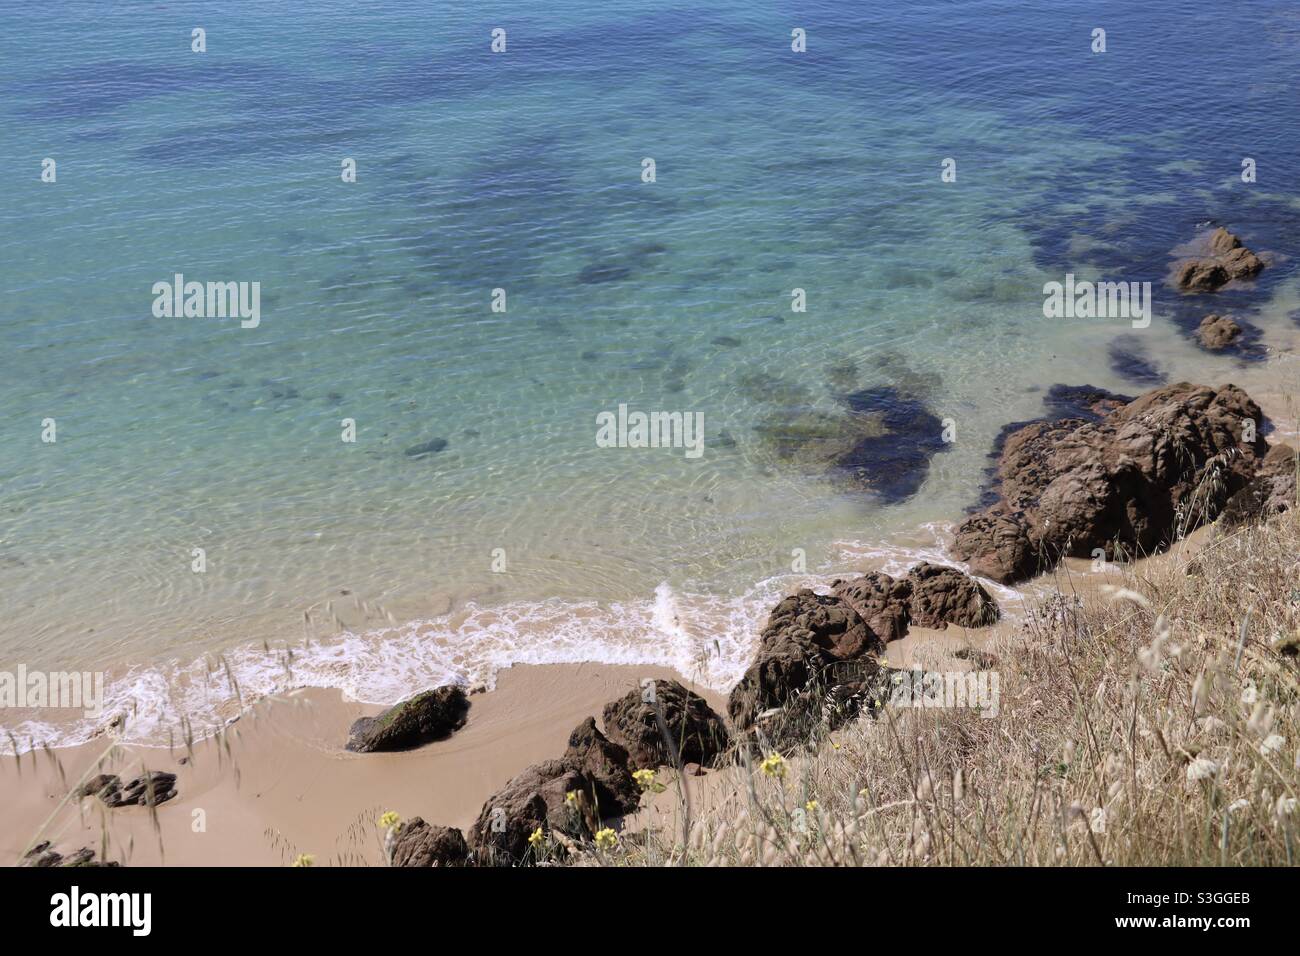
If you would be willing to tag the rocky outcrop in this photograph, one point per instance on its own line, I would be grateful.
(996, 544)
(1217, 332)
(606, 765)
(883, 602)
(930, 596)
(1227, 260)
(150, 789)
(1159, 466)
(828, 621)
(537, 799)
(428, 716)
(567, 798)
(943, 596)
(417, 843)
(816, 662)
(1270, 492)
(634, 722)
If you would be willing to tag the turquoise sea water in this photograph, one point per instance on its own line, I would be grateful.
(521, 540)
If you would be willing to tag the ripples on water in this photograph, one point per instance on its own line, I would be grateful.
(476, 172)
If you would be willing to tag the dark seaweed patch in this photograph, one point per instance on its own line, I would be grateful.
(599, 272)
(1129, 359)
(895, 462)
(432, 446)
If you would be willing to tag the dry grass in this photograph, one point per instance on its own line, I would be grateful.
(1155, 726)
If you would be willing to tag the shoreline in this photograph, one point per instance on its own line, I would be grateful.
(667, 628)
(278, 782)
(274, 781)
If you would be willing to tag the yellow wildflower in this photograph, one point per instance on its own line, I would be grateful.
(535, 838)
(303, 859)
(389, 820)
(606, 839)
(773, 765)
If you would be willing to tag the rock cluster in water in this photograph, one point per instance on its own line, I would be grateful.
(1227, 260)
(1129, 483)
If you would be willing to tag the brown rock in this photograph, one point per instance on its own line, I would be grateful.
(1228, 259)
(997, 546)
(943, 596)
(1222, 242)
(785, 665)
(151, 788)
(697, 734)
(416, 843)
(826, 620)
(814, 664)
(44, 855)
(605, 764)
(1270, 492)
(536, 798)
(1217, 332)
(880, 600)
(1155, 468)
(427, 716)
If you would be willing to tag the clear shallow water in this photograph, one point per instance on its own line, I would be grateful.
(522, 171)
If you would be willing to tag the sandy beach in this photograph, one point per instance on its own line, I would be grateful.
(278, 782)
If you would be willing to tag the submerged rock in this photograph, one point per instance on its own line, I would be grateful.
(1137, 479)
(1130, 360)
(893, 457)
(1081, 401)
(417, 843)
(598, 272)
(432, 446)
(881, 439)
(696, 732)
(428, 716)
(1227, 260)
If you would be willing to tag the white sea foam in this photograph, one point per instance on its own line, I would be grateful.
(707, 638)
